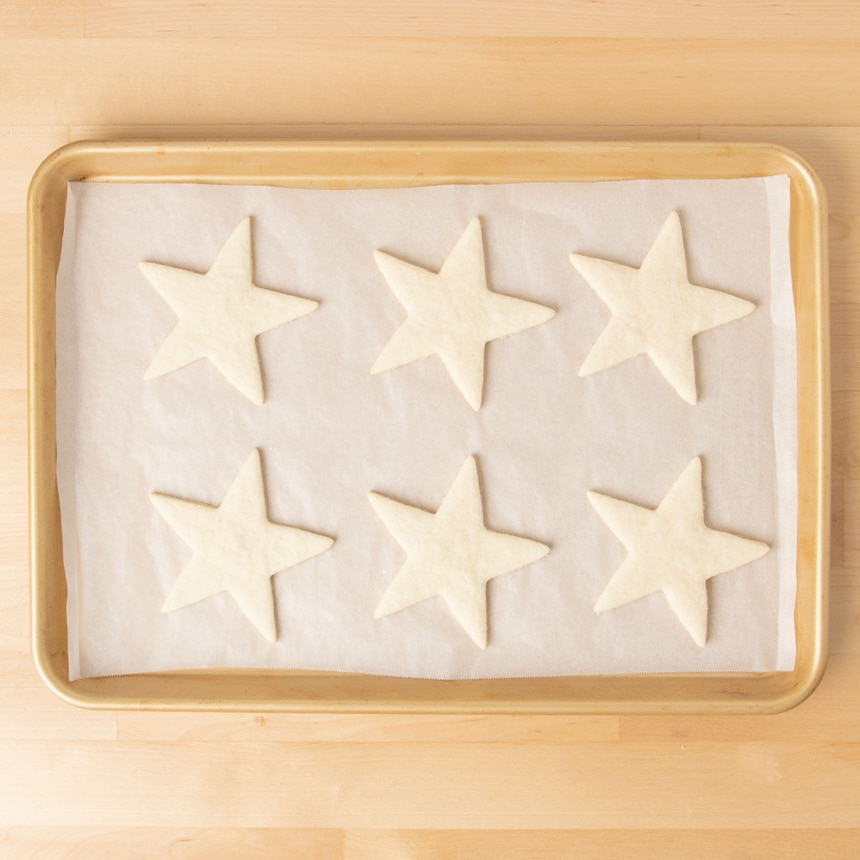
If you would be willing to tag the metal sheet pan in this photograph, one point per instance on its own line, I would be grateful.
(401, 164)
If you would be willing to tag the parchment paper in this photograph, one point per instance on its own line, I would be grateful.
(330, 432)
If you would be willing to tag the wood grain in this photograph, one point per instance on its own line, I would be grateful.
(85, 784)
(183, 843)
(380, 80)
(845, 612)
(298, 131)
(851, 539)
(550, 18)
(73, 843)
(750, 784)
(846, 436)
(23, 148)
(13, 468)
(837, 523)
(20, 19)
(143, 726)
(13, 303)
(617, 19)
(28, 710)
(844, 331)
(605, 844)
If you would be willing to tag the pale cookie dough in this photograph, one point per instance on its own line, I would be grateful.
(451, 553)
(452, 314)
(236, 548)
(656, 311)
(670, 549)
(220, 314)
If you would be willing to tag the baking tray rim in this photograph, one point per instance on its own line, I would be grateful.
(398, 163)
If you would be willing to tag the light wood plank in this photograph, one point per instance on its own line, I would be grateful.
(837, 523)
(23, 146)
(13, 468)
(603, 844)
(851, 501)
(844, 356)
(27, 19)
(383, 131)
(508, 786)
(844, 612)
(13, 302)
(222, 843)
(84, 843)
(327, 80)
(143, 726)
(618, 19)
(846, 437)
(29, 710)
(14, 612)
(844, 248)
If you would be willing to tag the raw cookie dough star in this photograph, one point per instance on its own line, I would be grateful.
(452, 314)
(236, 547)
(670, 549)
(221, 313)
(656, 311)
(451, 553)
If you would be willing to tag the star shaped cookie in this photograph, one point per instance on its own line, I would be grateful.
(236, 548)
(670, 549)
(656, 311)
(220, 314)
(451, 553)
(452, 314)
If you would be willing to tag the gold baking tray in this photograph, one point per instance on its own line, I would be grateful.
(398, 164)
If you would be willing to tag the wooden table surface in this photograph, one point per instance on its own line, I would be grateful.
(102, 784)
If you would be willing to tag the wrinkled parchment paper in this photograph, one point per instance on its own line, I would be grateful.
(330, 432)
